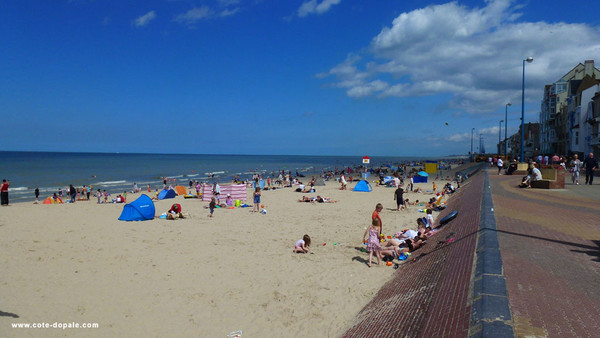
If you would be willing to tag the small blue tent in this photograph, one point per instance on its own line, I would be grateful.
(142, 209)
(167, 193)
(363, 186)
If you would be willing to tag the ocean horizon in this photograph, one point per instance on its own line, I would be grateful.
(117, 172)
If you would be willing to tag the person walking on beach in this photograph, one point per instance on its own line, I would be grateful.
(37, 194)
(399, 197)
(4, 192)
(575, 168)
(590, 164)
(212, 206)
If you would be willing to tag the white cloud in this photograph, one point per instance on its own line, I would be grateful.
(229, 12)
(145, 19)
(474, 54)
(459, 137)
(314, 7)
(489, 131)
(194, 15)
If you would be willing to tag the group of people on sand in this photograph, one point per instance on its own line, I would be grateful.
(401, 243)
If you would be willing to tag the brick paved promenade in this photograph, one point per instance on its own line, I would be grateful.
(429, 296)
(550, 246)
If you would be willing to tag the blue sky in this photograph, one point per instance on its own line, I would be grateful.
(323, 77)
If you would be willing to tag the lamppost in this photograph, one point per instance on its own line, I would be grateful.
(500, 136)
(505, 126)
(528, 60)
(481, 147)
(472, 130)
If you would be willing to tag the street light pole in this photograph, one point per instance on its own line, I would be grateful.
(528, 60)
(481, 147)
(505, 126)
(500, 137)
(472, 130)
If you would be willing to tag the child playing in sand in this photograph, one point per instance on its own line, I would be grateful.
(212, 206)
(302, 245)
(373, 242)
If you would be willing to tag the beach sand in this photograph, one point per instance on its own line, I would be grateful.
(200, 276)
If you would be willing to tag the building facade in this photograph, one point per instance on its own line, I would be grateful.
(558, 110)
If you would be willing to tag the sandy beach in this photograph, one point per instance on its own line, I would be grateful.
(200, 276)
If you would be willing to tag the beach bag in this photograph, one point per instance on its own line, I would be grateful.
(238, 203)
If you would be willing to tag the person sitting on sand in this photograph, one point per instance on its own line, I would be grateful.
(175, 212)
(302, 245)
(229, 200)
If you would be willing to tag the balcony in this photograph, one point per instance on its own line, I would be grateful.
(595, 140)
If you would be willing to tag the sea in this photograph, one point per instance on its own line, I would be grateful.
(117, 172)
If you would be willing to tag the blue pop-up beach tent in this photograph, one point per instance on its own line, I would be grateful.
(421, 177)
(167, 193)
(363, 185)
(142, 209)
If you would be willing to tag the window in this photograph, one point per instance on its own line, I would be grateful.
(576, 138)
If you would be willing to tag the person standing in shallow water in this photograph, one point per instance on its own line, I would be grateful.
(37, 194)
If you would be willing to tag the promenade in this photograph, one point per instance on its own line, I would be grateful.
(546, 284)
(550, 246)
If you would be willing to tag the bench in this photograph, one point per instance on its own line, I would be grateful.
(551, 179)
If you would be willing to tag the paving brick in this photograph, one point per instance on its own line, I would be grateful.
(550, 249)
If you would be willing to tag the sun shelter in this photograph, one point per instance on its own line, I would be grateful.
(363, 185)
(421, 177)
(180, 189)
(319, 182)
(142, 209)
(167, 193)
(237, 192)
(51, 200)
(431, 167)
